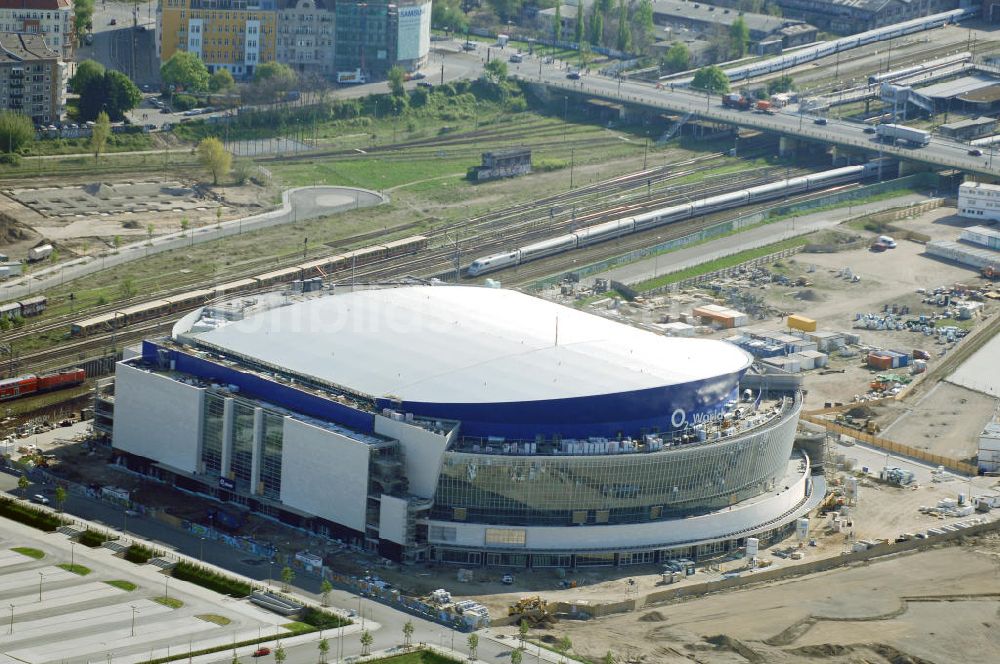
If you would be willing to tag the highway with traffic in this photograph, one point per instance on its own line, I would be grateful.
(786, 122)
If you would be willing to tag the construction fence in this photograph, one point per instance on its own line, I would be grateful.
(894, 447)
(681, 591)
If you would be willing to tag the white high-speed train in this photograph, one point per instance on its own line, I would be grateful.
(823, 49)
(618, 227)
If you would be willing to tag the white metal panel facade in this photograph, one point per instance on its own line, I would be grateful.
(158, 417)
(324, 473)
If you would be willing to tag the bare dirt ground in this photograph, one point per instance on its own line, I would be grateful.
(946, 420)
(939, 606)
(949, 420)
(82, 217)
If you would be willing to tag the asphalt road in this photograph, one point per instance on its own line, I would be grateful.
(940, 152)
(390, 621)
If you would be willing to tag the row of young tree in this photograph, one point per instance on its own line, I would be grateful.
(186, 72)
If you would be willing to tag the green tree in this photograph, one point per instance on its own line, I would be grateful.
(448, 15)
(522, 631)
(624, 42)
(710, 79)
(557, 22)
(578, 28)
(112, 92)
(287, 574)
(608, 658)
(272, 80)
(23, 483)
(473, 643)
(116, 242)
(280, 655)
(325, 589)
(185, 224)
(642, 20)
(218, 161)
(366, 642)
(506, 9)
(596, 27)
(126, 287)
(235, 659)
(185, 70)
(516, 656)
(677, 58)
(100, 134)
(739, 35)
(495, 71)
(783, 84)
(85, 71)
(564, 646)
(396, 77)
(150, 228)
(16, 131)
(324, 650)
(83, 15)
(60, 495)
(407, 633)
(221, 81)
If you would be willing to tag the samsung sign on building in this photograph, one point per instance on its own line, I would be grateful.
(414, 40)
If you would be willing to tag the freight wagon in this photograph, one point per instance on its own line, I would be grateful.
(322, 267)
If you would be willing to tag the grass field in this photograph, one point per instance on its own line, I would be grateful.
(121, 584)
(37, 554)
(719, 264)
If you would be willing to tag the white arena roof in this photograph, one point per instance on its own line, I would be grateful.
(454, 344)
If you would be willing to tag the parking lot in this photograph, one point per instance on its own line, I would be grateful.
(114, 610)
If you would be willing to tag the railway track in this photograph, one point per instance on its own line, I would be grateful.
(597, 192)
(437, 259)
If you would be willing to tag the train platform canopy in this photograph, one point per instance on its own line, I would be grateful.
(466, 345)
(958, 87)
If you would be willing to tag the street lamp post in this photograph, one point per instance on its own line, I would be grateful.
(72, 558)
(201, 548)
(11, 618)
(166, 588)
(41, 577)
(133, 620)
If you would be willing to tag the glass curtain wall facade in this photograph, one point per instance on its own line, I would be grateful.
(611, 489)
(271, 442)
(211, 448)
(242, 451)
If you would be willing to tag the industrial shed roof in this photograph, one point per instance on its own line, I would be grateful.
(450, 344)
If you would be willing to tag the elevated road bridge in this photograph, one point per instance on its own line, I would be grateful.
(941, 152)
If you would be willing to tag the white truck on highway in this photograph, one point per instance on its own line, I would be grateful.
(353, 76)
(893, 132)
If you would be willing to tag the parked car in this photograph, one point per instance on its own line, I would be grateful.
(507, 579)
(113, 21)
(40, 499)
(573, 75)
(819, 121)
(869, 130)
(417, 75)
(262, 652)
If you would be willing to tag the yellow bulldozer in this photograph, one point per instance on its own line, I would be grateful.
(534, 610)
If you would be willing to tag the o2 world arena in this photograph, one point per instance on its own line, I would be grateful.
(467, 425)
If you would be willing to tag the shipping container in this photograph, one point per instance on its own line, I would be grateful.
(797, 322)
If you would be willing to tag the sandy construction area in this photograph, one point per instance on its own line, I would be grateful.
(939, 606)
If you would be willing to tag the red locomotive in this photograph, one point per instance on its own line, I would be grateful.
(28, 384)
